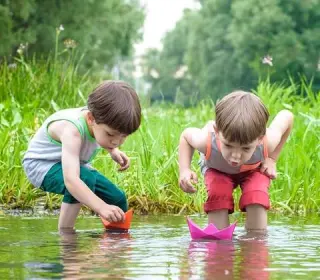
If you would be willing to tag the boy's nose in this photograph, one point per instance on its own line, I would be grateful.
(236, 155)
(117, 141)
(114, 142)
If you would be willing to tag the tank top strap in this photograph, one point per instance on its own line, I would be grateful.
(265, 146)
(209, 145)
(213, 144)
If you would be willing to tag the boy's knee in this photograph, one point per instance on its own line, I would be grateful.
(255, 197)
(88, 178)
(255, 191)
(69, 199)
(122, 202)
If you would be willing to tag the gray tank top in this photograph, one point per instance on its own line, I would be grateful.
(214, 159)
(43, 151)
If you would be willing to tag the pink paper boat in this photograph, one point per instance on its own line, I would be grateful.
(210, 232)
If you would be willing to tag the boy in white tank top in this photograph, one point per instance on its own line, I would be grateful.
(235, 149)
(58, 156)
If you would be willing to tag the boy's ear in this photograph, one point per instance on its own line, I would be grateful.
(260, 139)
(90, 118)
(215, 128)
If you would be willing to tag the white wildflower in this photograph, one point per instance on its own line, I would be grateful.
(267, 60)
(21, 48)
(59, 29)
(154, 74)
(12, 65)
(180, 73)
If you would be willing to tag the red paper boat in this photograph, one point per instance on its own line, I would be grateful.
(119, 225)
(210, 232)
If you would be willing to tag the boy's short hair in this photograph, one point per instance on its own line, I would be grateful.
(241, 117)
(116, 104)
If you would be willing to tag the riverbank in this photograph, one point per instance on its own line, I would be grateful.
(30, 94)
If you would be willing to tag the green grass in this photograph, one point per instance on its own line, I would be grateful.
(32, 91)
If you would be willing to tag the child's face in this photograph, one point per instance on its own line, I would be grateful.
(236, 154)
(107, 137)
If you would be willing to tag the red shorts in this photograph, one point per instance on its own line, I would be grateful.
(220, 186)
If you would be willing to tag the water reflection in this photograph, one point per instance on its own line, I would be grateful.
(247, 257)
(253, 256)
(156, 248)
(105, 256)
(215, 258)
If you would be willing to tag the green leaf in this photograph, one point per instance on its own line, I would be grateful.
(16, 118)
(4, 122)
(54, 105)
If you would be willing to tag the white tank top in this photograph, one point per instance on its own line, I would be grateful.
(43, 151)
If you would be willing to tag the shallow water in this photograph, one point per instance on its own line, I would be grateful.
(156, 248)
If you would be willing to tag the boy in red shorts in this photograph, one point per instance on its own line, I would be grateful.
(236, 149)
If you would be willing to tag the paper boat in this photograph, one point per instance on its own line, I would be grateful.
(210, 232)
(120, 225)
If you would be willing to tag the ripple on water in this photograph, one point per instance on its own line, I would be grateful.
(156, 248)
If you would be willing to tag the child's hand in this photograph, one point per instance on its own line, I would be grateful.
(268, 167)
(111, 213)
(186, 181)
(121, 158)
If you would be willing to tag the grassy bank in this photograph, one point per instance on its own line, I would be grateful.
(31, 92)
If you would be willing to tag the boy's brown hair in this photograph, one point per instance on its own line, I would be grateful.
(116, 104)
(241, 117)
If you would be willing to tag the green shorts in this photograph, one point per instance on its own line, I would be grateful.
(54, 183)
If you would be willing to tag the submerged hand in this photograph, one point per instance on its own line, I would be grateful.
(268, 167)
(121, 158)
(186, 181)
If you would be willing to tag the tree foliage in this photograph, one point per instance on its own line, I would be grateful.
(167, 70)
(224, 42)
(102, 29)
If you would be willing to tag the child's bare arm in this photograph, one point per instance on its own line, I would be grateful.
(190, 139)
(71, 140)
(278, 133)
